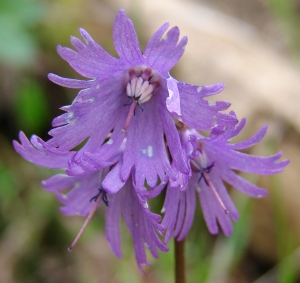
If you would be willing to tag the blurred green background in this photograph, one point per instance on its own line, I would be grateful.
(34, 235)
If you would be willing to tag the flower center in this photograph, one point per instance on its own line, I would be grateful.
(142, 82)
(139, 90)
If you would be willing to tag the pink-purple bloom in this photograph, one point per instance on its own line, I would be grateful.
(127, 113)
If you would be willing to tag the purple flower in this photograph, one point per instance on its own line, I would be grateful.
(84, 190)
(142, 224)
(125, 115)
(212, 161)
(135, 97)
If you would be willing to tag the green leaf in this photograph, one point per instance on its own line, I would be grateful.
(31, 107)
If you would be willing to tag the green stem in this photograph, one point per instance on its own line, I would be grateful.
(179, 262)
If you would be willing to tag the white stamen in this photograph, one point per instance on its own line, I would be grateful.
(200, 161)
(146, 205)
(110, 141)
(163, 210)
(144, 86)
(202, 158)
(142, 83)
(128, 90)
(146, 95)
(139, 89)
(133, 86)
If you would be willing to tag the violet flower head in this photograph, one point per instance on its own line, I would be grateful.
(212, 161)
(143, 225)
(135, 97)
(85, 194)
(125, 113)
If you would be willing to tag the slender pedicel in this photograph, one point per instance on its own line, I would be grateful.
(207, 181)
(87, 220)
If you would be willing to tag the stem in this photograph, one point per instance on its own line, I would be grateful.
(179, 261)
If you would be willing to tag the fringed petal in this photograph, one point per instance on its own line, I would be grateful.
(125, 40)
(39, 153)
(199, 113)
(256, 138)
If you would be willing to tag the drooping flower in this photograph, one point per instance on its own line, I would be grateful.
(141, 222)
(135, 97)
(212, 162)
(143, 225)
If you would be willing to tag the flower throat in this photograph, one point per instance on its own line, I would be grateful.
(140, 87)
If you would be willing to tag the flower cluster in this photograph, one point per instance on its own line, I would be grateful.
(141, 132)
